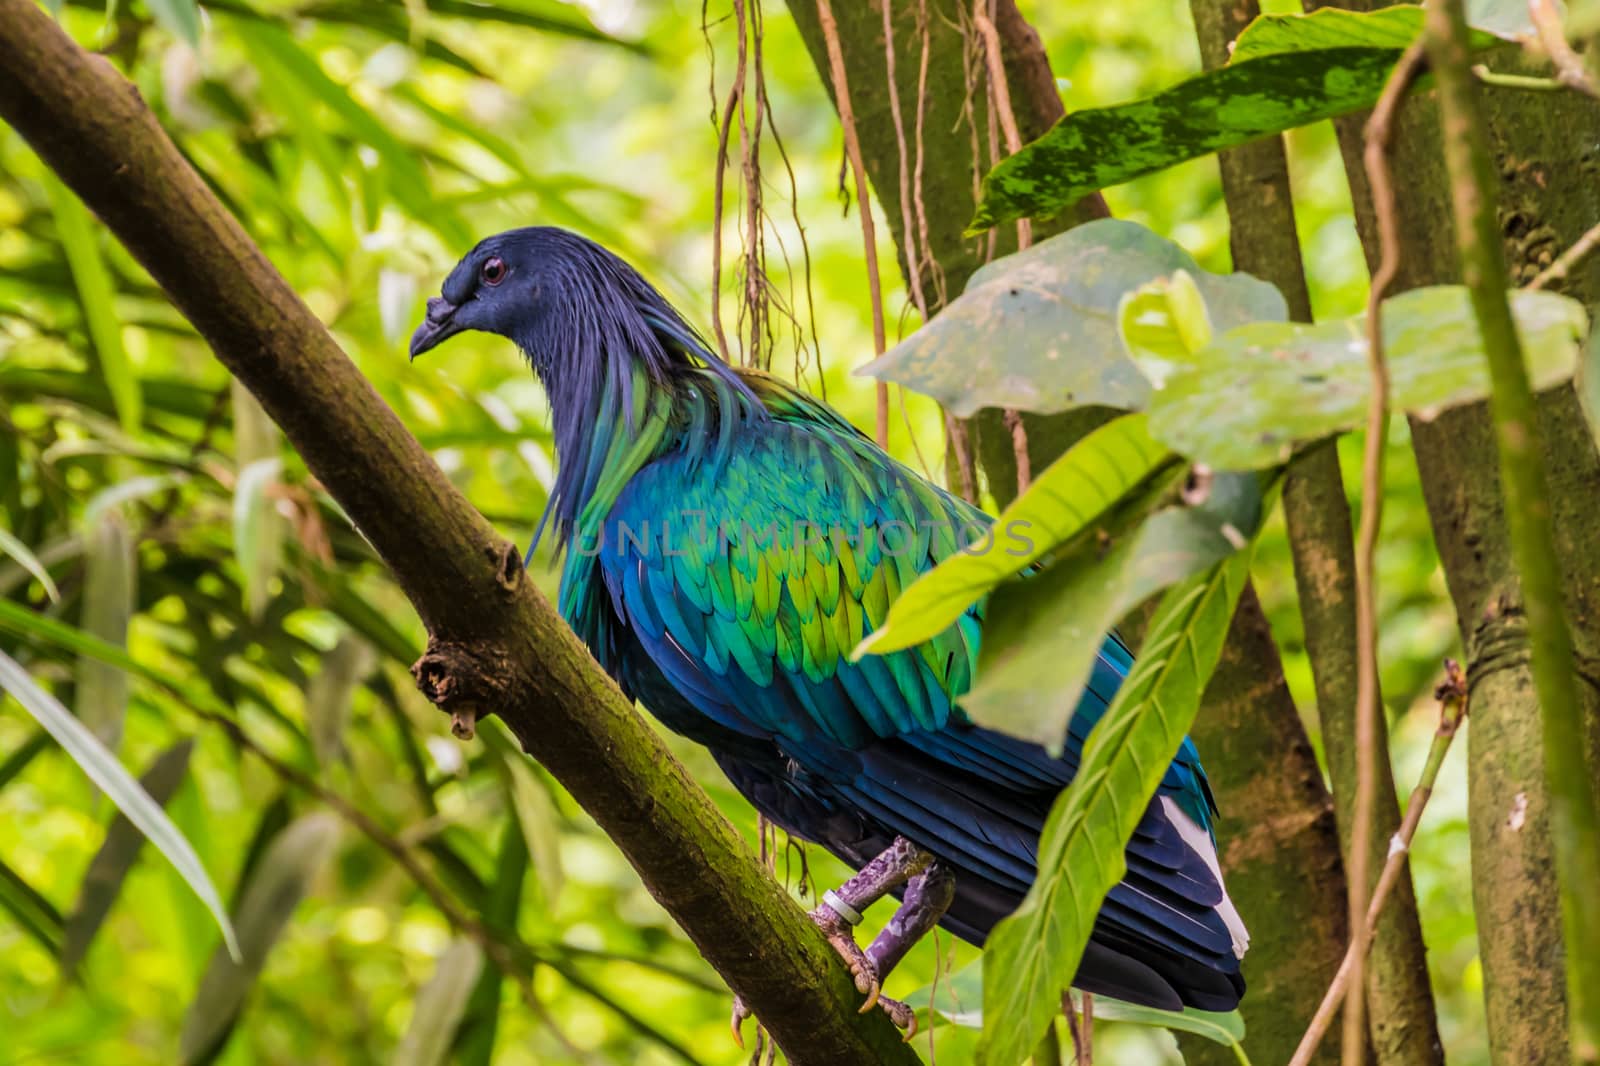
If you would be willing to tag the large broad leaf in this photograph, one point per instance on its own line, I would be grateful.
(103, 769)
(1032, 955)
(1258, 391)
(102, 883)
(1041, 635)
(1037, 330)
(958, 1000)
(437, 1010)
(1287, 72)
(1070, 494)
(277, 884)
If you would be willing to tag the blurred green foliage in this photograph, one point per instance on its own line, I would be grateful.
(365, 145)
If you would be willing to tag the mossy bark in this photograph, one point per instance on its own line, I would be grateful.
(1547, 147)
(1287, 877)
(1255, 182)
(496, 645)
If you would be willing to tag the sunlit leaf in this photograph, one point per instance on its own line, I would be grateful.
(277, 884)
(1041, 634)
(110, 594)
(1037, 330)
(96, 298)
(103, 769)
(437, 1010)
(1065, 498)
(958, 1000)
(25, 558)
(102, 884)
(1258, 391)
(1031, 956)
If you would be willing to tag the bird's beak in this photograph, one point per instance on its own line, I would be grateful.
(438, 326)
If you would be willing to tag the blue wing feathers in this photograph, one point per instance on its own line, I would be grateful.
(750, 613)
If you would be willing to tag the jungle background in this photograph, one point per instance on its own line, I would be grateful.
(365, 146)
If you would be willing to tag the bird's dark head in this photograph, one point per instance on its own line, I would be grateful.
(569, 304)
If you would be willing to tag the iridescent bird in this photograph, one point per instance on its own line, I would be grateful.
(728, 541)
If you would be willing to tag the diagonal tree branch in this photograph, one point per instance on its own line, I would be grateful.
(495, 646)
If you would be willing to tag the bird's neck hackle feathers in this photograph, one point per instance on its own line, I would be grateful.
(626, 377)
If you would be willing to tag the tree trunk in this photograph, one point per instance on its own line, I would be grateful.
(1401, 1021)
(1550, 193)
(1280, 844)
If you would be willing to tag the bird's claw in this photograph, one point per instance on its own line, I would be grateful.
(862, 971)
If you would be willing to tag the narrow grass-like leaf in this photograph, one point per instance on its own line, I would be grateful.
(111, 864)
(1066, 498)
(97, 300)
(181, 18)
(329, 696)
(1032, 955)
(535, 813)
(436, 1012)
(25, 558)
(36, 915)
(22, 756)
(103, 769)
(257, 531)
(277, 884)
(480, 1022)
(110, 590)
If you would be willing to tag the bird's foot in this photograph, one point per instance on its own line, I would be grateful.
(863, 972)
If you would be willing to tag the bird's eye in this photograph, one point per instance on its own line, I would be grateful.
(493, 271)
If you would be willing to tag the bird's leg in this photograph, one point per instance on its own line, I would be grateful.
(928, 896)
(840, 912)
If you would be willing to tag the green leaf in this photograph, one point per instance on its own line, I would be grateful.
(437, 1010)
(1032, 955)
(1163, 324)
(1037, 331)
(480, 1023)
(958, 999)
(535, 813)
(25, 558)
(181, 18)
(96, 299)
(36, 915)
(1393, 28)
(1286, 71)
(103, 769)
(1041, 635)
(277, 884)
(1065, 499)
(275, 51)
(109, 868)
(1260, 390)
(330, 694)
(110, 593)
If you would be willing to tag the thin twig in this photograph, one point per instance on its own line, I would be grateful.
(852, 147)
(1553, 39)
(1383, 200)
(1452, 697)
(1568, 259)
